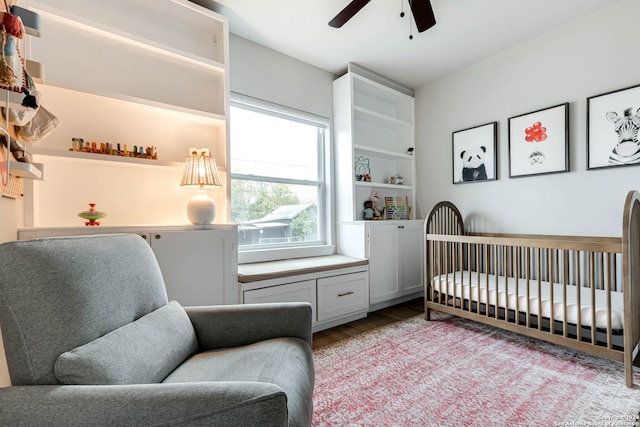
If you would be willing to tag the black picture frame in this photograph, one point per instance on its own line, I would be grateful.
(539, 142)
(475, 154)
(613, 123)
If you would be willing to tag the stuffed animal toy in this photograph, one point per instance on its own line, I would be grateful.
(473, 164)
(377, 203)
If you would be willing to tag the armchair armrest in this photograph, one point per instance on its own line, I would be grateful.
(242, 324)
(212, 403)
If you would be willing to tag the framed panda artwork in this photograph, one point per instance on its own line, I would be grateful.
(475, 154)
(539, 142)
(613, 123)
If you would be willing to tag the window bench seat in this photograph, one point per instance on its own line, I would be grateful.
(336, 286)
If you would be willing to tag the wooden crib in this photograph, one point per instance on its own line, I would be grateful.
(580, 292)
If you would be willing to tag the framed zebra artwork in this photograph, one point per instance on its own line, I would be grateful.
(539, 142)
(613, 121)
(475, 154)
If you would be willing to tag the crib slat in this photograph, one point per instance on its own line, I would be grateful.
(551, 277)
(607, 288)
(528, 283)
(565, 282)
(592, 278)
(539, 280)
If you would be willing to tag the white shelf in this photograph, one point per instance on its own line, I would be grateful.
(125, 37)
(206, 115)
(25, 170)
(382, 153)
(94, 157)
(376, 118)
(383, 185)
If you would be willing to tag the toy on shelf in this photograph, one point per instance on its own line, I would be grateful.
(368, 213)
(377, 204)
(92, 215)
(82, 146)
(395, 180)
(361, 169)
(397, 208)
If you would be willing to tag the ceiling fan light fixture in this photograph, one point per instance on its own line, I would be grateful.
(420, 9)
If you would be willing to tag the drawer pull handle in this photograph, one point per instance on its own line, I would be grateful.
(344, 294)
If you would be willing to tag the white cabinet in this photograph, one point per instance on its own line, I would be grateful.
(138, 73)
(302, 291)
(196, 265)
(394, 250)
(199, 267)
(374, 133)
(336, 296)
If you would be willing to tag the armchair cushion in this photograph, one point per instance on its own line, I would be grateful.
(144, 351)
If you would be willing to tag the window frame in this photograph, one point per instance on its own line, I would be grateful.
(326, 229)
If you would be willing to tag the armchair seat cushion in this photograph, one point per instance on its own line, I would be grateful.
(285, 362)
(143, 351)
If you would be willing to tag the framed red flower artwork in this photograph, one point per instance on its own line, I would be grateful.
(539, 142)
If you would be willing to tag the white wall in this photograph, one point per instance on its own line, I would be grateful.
(268, 75)
(591, 56)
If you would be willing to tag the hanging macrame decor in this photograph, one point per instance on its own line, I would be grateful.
(13, 74)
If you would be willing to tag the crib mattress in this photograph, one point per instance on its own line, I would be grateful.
(474, 287)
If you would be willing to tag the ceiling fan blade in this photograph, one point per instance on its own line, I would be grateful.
(348, 13)
(422, 14)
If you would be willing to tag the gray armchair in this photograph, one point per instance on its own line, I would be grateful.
(91, 339)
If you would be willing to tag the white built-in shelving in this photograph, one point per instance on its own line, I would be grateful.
(374, 122)
(135, 72)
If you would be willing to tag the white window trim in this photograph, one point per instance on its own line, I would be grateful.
(328, 227)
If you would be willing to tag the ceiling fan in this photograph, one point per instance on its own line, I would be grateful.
(421, 10)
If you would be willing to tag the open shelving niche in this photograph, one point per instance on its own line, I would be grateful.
(116, 78)
(375, 122)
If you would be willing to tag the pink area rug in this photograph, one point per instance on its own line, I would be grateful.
(454, 372)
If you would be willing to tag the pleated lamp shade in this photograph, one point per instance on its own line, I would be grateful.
(200, 171)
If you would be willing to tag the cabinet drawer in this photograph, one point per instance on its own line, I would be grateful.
(304, 291)
(342, 295)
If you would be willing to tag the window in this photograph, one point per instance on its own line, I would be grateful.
(278, 191)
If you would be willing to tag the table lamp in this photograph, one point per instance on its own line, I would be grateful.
(200, 171)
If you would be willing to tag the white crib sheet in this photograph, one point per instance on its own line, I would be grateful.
(470, 283)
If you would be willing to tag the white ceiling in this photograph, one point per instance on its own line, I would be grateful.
(467, 31)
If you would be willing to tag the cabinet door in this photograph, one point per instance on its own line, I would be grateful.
(383, 262)
(410, 244)
(193, 265)
(304, 291)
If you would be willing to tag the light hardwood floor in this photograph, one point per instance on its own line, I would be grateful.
(373, 320)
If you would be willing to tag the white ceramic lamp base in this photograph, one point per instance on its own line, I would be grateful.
(201, 209)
